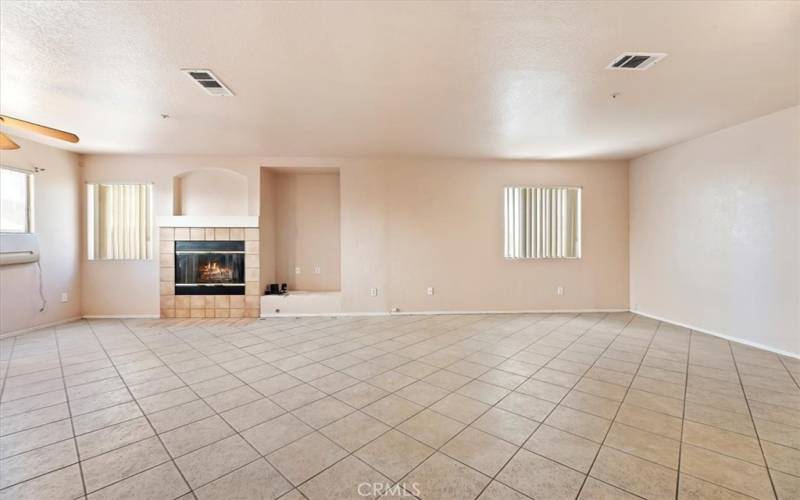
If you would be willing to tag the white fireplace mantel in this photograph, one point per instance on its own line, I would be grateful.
(207, 221)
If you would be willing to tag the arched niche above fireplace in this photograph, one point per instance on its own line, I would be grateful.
(212, 191)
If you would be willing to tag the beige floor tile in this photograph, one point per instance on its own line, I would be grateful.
(360, 395)
(562, 447)
(459, 407)
(479, 450)
(431, 428)
(778, 433)
(722, 441)
(61, 484)
(233, 398)
(422, 393)
(442, 478)
(89, 422)
(634, 475)
(177, 416)
(334, 382)
(579, 423)
(354, 430)
(215, 460)
(276, 384)
(649, 420)
(556, 377)
(483, 392)
(257, 479)
(503, 379)
(193, 436)
(350, 478)
(36, 462)
(643, 444)
(589, 403)
(603, 389)
(391, 381)
(725, 471)
(786, 486)
(122, 463)
(394, 454)
(273, 434)
(543, 390)
(526, 406)
(692, 488)
(115, 436)
(506, 425)
(499, 491)
(782, 458)
(598, 490)
(447, 380)
(654, 402)
(306, 457)
(392, 410)
(538, 477)
(163, 481)
(322, 412)
(720, 418)
(297, 396)
(33, 418)
(29, 439)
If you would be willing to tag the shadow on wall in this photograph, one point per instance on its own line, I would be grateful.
(212, 191)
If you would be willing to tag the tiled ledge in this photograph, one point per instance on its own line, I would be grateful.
(209, 306)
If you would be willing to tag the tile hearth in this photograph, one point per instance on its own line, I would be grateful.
(450, 407)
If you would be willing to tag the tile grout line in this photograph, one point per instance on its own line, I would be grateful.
(627, 390)
(683, 412)
(752, 420)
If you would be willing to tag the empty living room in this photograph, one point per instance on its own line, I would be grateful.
(432, 250)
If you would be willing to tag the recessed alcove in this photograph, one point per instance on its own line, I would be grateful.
(211, 191)
(300, 213)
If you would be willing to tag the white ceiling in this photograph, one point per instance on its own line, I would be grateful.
(472, 79)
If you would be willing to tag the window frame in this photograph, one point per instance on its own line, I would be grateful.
(29, 200)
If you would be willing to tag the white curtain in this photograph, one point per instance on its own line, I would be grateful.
(542, 222)
(120, 221)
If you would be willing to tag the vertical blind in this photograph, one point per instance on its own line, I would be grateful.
(542, 222)
(119, 221)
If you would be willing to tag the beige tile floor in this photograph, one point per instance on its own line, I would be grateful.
(445, 407)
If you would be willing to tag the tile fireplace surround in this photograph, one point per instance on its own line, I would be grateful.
(209, 306)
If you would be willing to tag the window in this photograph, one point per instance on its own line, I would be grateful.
(542, 222)
(16, 201)
(119, 221)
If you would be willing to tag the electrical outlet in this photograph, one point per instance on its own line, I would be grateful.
(560, 290)
(373, 292)
(296, 270)
(430, 290)
(317, 270)
(64, 297)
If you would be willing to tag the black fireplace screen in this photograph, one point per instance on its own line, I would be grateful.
(209, 268)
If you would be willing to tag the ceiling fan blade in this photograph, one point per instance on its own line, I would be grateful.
(6, 143)
(39, 129)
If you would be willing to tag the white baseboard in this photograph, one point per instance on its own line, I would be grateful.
(40, 327)
(121, 316)
(720, 335)
(434, 313)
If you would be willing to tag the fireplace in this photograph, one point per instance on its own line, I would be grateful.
(209, 268)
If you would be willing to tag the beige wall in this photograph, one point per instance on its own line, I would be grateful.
(715, 232)
(307, 230)
(130, 288)
(408, 225)
(57, 209)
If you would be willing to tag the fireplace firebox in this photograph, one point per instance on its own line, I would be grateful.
(209, 268)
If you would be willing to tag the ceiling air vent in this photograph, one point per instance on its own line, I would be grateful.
(208, 81)
(636, 61)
